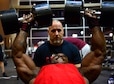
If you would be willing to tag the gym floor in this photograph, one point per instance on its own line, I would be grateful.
(10, 70)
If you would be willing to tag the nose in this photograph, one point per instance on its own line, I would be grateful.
(56, 32)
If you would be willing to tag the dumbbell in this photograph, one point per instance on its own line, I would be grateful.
(10, 21)
(107, 14)
(73, 12)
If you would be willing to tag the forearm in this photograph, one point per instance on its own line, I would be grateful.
(98, 40)
(20, 41)
(19, 44)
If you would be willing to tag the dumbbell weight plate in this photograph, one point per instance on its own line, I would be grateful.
(107, 14)
(72, 12)
(43, 14)
(9, 21)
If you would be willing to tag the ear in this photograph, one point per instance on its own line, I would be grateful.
(48, 30)
(63, 31)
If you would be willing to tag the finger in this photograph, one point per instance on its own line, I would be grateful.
(89, 12)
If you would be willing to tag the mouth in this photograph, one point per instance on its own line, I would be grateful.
(56, 41)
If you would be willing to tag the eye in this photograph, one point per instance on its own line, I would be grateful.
(53, 31)
(59, 30)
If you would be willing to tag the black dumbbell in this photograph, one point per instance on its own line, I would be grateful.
(42, 14)
(10, 21)
(107, 14)
(74, 10)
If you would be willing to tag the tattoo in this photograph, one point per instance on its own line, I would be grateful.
(22, 40)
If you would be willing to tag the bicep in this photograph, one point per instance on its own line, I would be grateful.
(91, 65)
(25, 67)
(92, 58)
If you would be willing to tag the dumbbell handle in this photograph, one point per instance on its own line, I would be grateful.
(82, 12)
(96, 12)
(20, 19)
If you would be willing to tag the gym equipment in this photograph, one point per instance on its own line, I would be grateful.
(43, 14)
(74, 9)
(72, 12)
(10, 21)
(107, 14)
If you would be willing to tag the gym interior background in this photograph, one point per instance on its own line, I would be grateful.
(40, 34)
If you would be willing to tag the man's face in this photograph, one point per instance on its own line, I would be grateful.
(56, 33)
